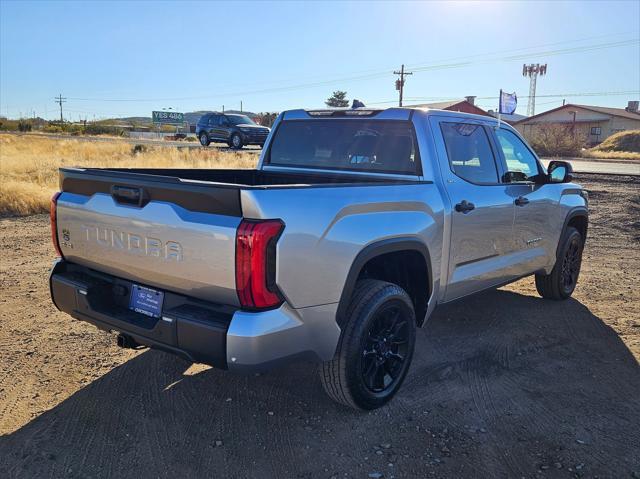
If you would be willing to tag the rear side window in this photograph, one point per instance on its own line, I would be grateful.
(470, 154)
(363, 145)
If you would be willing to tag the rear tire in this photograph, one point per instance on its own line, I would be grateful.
(375, 348)
(204, 139)
(563, 279)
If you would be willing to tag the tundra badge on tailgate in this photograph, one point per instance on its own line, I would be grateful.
(133, 243)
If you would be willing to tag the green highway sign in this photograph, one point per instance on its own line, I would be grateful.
(167, 117)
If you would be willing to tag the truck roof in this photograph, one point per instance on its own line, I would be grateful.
(394, 113)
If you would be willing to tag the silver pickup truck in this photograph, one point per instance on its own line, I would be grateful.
(353, 228)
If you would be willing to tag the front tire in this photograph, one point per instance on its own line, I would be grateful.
(375, 348)
(235, 142)
(563, 279)
(204, 139)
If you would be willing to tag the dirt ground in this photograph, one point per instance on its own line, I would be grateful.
(502, 385)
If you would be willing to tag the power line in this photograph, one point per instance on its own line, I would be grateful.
(550, 95)
(417, 68)
(554, 95)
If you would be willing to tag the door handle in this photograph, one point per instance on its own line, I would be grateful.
(521, 201)
(464, 206)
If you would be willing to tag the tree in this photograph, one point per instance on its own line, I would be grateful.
(556, 139)
(266, 119)
(338, 99)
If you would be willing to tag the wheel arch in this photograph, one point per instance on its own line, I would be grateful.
(577, 218)
(372, 254)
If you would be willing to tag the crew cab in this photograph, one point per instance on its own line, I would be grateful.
(354, 227)
(235, 130)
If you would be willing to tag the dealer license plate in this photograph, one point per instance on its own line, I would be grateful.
(146, 301)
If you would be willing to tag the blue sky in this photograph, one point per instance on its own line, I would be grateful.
(275, 56)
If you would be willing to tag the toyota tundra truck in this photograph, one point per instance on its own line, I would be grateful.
(354, 227)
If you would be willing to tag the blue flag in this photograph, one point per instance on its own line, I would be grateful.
(508, 103)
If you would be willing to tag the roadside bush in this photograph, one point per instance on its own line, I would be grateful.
(9, 125)
(52, 128)
(627, 141)
(24, 126)
(98, 129)
(557, 140)
(139, 149)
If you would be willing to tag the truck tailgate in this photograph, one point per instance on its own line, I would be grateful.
(160, 242)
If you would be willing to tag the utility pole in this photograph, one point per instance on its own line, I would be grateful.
(532, 71)
(400, 82)
(60, 100)
(240, 106)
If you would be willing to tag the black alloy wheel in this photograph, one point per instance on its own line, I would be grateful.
(385, 349)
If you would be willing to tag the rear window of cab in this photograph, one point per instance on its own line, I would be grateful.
(381, 146)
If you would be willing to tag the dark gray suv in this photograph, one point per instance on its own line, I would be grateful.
(233, 129)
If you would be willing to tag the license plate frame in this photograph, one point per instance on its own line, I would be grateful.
(147, 301)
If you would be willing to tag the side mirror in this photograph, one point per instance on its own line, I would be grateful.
(559, 172)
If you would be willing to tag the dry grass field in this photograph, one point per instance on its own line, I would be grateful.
(29, 165)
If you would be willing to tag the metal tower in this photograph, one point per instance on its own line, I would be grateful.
(532, 71)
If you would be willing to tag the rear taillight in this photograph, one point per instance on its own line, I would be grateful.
(53, 216)
(256, 263)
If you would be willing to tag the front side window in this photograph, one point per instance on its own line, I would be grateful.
(213, 120)
(470, 154)
(521, 164)
(368, 145)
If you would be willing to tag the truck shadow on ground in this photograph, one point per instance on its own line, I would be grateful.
(502, 385)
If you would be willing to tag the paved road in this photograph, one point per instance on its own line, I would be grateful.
(603, 167)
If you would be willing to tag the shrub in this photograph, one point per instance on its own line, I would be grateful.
(51, 128)
(557, 140)
(139, 149)
(627, 141)
(98, 129)
(24, 126)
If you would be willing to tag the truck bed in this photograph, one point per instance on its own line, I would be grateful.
(200, 190)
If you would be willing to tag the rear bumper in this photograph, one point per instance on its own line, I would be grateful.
(222, 336)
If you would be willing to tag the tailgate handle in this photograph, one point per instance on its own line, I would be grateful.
(129, 195)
